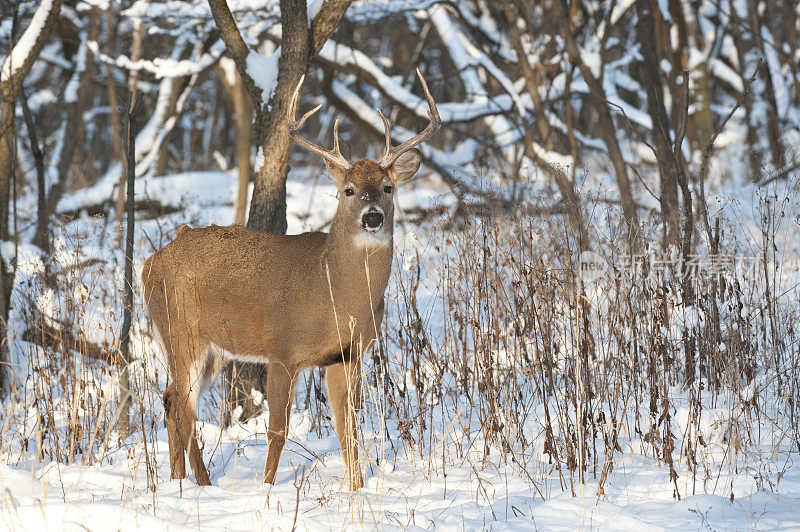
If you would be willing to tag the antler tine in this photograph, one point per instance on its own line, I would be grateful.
(333, 156)
(303, 119)
(292, 111)
(336, 135)
(433, 111)
(387, 131)
(391, 154)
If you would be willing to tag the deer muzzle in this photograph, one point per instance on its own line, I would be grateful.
(372, 220)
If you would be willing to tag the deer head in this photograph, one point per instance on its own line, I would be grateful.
(366, 187)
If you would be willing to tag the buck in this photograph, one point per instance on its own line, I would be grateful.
(293, 301)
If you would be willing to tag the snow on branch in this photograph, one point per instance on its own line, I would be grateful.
(196, 9)
(264, 71)
(368, 11)
(162, 67)
(25, 51)
(342, 56)
(456, 43)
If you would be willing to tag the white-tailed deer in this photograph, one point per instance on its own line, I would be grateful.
(314, 299)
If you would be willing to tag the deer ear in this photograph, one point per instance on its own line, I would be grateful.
(337, 173)
(405, 166)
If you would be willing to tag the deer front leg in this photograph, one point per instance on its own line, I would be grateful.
(281, 381)
(343, 382)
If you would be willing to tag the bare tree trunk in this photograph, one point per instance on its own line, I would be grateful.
(744, 48)
(789, 36)
(608, 134)
(8, 132)
(7, 168)
(298, 47)
(125, 336)
(243, 143)
(133, 79)
(111, 95)
(683, 182)
(773, 125)
(700, 126)
(651, 80)
(268, 206)
(6, 286)
(38, 157)
(160, 165)
(243, 109)
(10, 85)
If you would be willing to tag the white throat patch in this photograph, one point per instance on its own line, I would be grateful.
(365, 239)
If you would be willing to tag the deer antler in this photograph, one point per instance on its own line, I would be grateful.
(391, 154)
(333, 156)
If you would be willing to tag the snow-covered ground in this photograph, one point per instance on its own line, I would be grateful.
(449, 478)
(404, 493)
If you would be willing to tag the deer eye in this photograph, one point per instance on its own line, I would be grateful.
(388, 189)
(349, 192)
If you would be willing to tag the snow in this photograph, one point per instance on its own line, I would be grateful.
(726, 73)
(160, 67)
(24, 46)
(396, 497)
(71, 90)
(145, 9)
(190, 188)
(313, 7)
(41, 98)
(593, 61)
(259, 162)
(264, 72)
(619, 9)
(171, 191)
(227, 68)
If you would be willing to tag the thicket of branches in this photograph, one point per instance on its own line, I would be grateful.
(524, 87)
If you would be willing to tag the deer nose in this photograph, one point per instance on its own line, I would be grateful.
(372, 220)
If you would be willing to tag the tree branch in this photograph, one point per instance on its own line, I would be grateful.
(235, 45)
(325, 23)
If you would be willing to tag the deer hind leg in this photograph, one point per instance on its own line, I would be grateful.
(281, 380)
(343, 392)
(177, 459)
(190, 383)
(173, 400)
